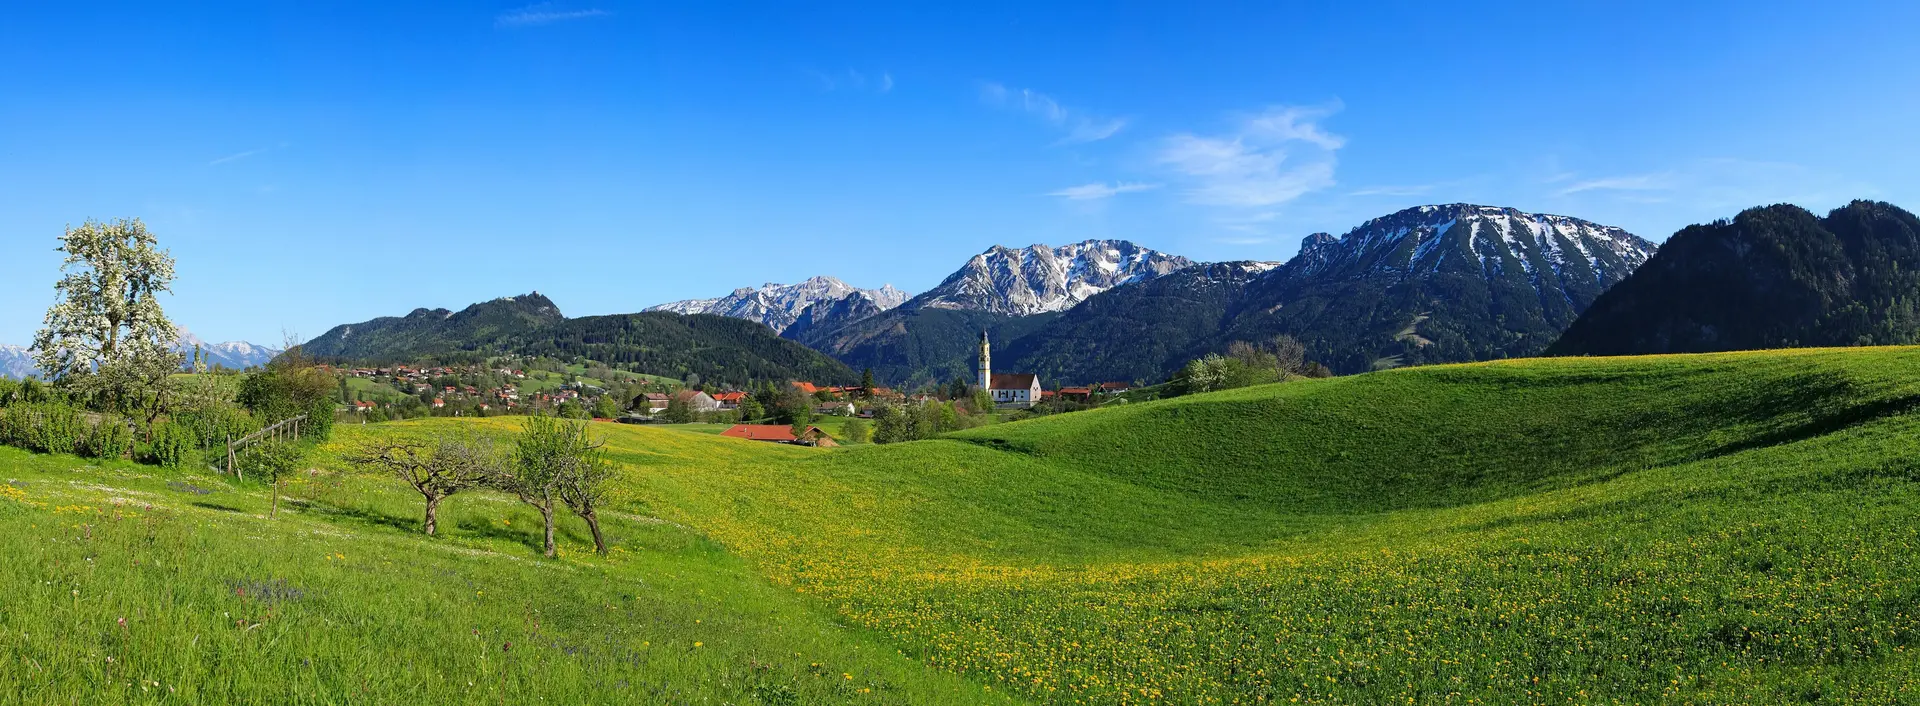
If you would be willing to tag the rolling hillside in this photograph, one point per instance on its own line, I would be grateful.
(1741, 526)
(1726, 528)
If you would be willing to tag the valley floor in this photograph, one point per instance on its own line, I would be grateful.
(1737, 528)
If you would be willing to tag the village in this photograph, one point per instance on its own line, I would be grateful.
(772, 411)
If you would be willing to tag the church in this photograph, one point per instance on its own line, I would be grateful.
(1015, 390)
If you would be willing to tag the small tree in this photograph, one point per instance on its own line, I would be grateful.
(678, 411)
(274, 460)
(436, 467)
(106, 336)
(607, 407)
(866, 384)
(553, 458)
(750, 409)
(856, 431)
(584, 483)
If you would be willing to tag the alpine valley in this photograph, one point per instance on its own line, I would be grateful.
(1430, 284)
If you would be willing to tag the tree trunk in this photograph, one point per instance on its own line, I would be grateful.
(275, 512)
(433, 507)
(546, 513)
(593, 523)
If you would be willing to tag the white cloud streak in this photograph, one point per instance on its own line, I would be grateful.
(1100, 190)
(543, 14)
(237, 156)
(1269, 159)
(1079, 126)
(1638, 182)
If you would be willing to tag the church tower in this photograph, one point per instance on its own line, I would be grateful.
(986, 363)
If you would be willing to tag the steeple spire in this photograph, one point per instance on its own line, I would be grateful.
(986, 362)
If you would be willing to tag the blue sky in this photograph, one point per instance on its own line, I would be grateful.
(311, 164)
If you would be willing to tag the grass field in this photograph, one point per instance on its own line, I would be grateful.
(1735, 528)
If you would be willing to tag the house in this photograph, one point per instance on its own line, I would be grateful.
(657, 402)
(780, 434)
(1077, 394)
(363, 406)
(1114, 387)
(438, 403)
(806, 387)
(729, 400)
(698, 401)
(834, 409)
(1019, 390)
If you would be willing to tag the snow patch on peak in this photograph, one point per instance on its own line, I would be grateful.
(1039, 278)
(779, 305)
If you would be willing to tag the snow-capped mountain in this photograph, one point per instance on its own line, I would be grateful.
(238, 355)
(1490, 239)
(1038, 278)
(779, 305)
(16, 362)
(1437, 284)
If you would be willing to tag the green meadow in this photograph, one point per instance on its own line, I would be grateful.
(1728, 528)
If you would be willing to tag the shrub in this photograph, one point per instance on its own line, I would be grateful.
(214, 426)
(47, 427)
(109, 439)
(171, 445)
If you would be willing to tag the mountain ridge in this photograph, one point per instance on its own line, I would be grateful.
(1770, 277)
(779, 305)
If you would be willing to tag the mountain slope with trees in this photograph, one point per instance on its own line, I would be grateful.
(718, 348)
(471, 332)
(1772, 277)
(1437, 284)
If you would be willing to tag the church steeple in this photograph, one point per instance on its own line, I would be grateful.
(986, 363)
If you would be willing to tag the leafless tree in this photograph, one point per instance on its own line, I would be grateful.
(437, 466)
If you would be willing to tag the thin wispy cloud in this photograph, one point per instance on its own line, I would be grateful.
(1637, 182)
(545, 13)
(237, 156)
(1100, 190)
(1079, 126)
(1269, 159)
(851, 80)
(1392, 190)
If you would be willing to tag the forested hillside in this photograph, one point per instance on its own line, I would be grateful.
(718, 348)
(1771, 277)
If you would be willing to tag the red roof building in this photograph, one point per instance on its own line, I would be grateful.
(779, 433)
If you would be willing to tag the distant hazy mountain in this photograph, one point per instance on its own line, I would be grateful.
(16, 362)
(1434, 284)
(779, 305)
(1772, 277)
(719, 349)
(1038, 279)
(238, 355)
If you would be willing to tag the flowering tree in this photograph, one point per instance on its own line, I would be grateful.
(106, 336)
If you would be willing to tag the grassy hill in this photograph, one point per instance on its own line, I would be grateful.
(1708, 529)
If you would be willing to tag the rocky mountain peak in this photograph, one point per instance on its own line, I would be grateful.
(1041, 278)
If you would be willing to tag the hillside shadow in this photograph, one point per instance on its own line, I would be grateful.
(1849, 417)
(367, 516)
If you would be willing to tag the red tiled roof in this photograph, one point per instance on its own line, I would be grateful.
(730, 396)
(806, 387)
(760, 432)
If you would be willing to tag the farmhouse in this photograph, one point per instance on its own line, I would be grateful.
(698, 401)
(780, 434)
(1007, 389)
